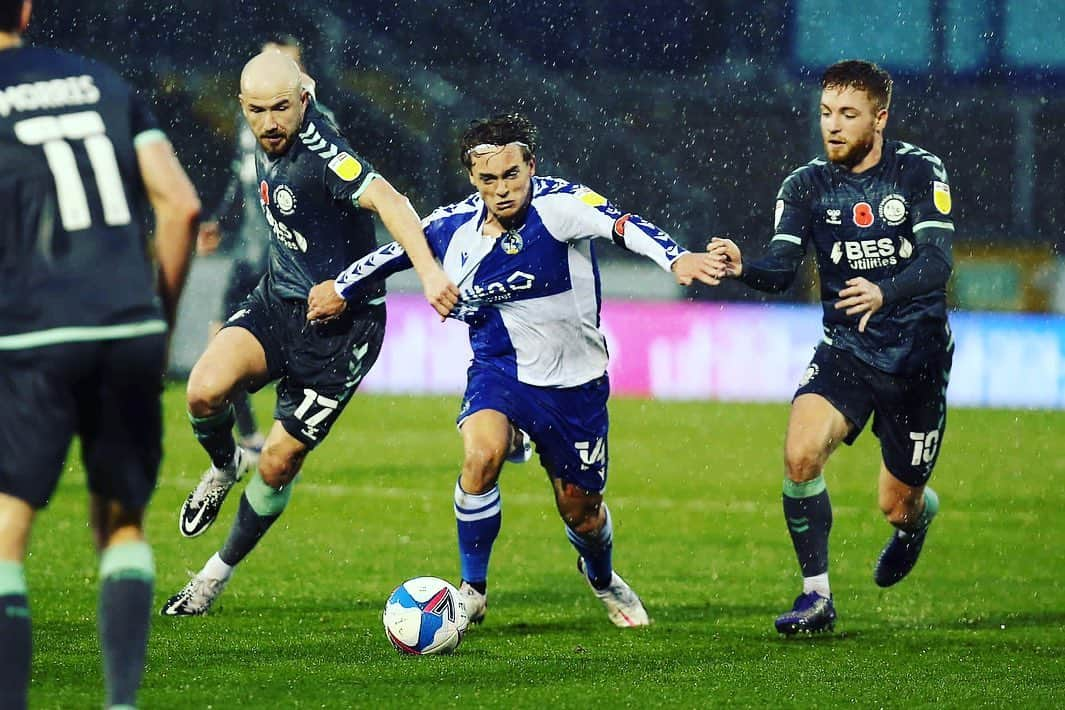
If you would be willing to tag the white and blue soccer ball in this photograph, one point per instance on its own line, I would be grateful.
(425, 615)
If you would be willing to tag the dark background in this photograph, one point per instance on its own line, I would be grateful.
(690, 113)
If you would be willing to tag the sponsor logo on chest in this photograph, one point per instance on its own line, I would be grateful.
(866, 254)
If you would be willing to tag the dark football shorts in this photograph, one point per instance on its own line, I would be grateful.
(910, 412)
(569, 425)
(106, 392)
(317, 367)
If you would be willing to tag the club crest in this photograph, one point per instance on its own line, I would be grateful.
(511, 243)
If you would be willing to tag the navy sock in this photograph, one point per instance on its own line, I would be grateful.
(260, 506)
(127, 576)
(16, 648)
(479, 518)
(808, 513)
(215, 434)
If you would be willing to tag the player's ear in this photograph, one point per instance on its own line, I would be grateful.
(881, 119)
(469, 174)
(532, 164)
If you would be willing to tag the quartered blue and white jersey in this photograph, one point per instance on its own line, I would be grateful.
(531, 296)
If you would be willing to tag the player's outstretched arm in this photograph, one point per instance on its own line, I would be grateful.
(402, 222)
(328, 299)
(707, 268)
(177, 214)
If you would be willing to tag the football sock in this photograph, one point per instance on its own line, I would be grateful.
(931, 507)
(127, 575)
(15, 632)
(215, 434)
(260, 506)
(596, 548)
(808, 513)
(244, 415)
(479, 518)
(817, 583)
(216, 568)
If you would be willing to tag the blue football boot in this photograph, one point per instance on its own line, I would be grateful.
(899, 556)
(811, 613)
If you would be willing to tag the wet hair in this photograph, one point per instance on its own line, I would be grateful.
(10, 15)
(499, 130)
(862, 75)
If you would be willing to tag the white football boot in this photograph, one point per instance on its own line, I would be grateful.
(201, 507)
(475, 602)
(195, 598)
(623, 607)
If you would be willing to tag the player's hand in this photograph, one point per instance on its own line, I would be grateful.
(860, 296)
(323, 303)
(439, 291)
(732, 256)
(208, 238)
(706, 268)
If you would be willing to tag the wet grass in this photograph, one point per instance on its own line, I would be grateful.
(694, 489)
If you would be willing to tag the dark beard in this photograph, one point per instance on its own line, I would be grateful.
(856, 154)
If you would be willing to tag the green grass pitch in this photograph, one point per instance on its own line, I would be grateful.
(699, 533)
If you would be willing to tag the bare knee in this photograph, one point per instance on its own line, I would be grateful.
(901, 510)
(803, 463)
(205, 394)
(481, 464)
(278, 465)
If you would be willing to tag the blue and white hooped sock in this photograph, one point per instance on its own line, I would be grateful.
(596, 549)
(479, 518)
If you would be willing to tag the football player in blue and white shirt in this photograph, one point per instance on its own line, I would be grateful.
(520, 252)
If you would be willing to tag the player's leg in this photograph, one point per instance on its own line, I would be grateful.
(16, 517)
(815, 430)
(121, 428)
(263, 500)
(325, 366)
(234, 361)
(911, 423)
(831, 406)
(242, 280)
(36, 427)
(571, 434)
(127, 580)
(486, 440)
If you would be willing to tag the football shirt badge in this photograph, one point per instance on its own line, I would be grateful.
(346, 167)
(941, 196)
(511, 242)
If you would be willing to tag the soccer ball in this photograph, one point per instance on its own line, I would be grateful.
(425, 615)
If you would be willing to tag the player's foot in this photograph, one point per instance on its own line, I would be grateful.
(202, 505)
(622, 605)
(253, 448)
(195, 598)
(520, 447)
(475, 602)
(899, 556)
(811, 613)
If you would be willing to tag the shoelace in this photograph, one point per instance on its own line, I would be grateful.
(213, 480)
(203, 591)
